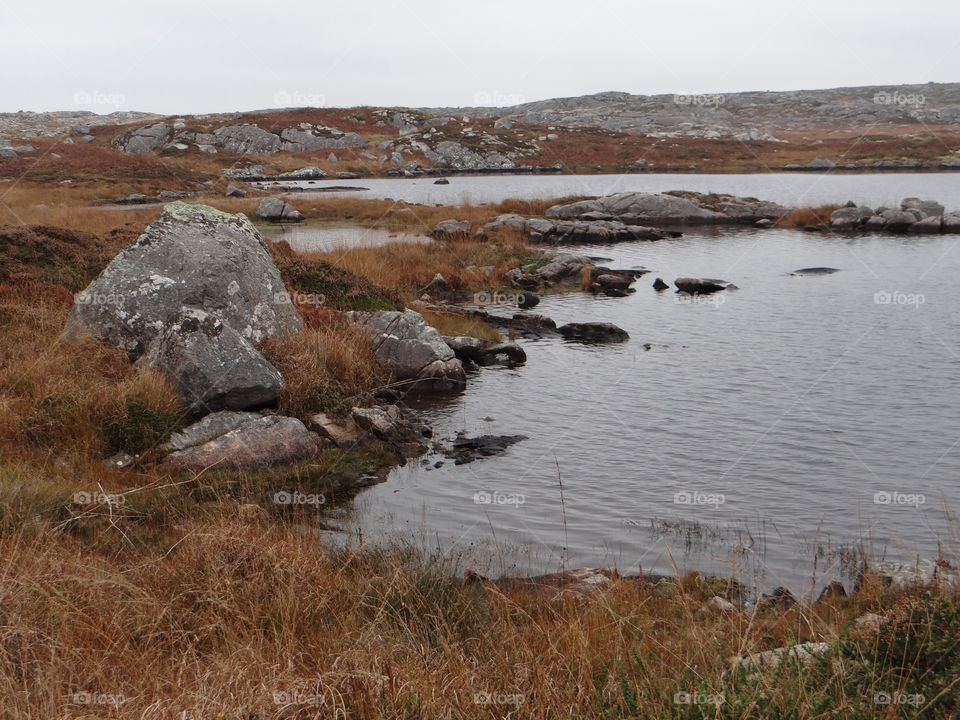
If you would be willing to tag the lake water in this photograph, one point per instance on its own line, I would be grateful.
(789, 411)
(794, 189)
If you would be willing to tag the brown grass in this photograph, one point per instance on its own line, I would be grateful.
(808, 217)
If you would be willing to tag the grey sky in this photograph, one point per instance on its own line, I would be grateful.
(195, 56)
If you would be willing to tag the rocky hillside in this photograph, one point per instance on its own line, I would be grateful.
(870, 128)
(743, 116)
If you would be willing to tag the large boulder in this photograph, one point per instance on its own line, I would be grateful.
(699, 286)
(248, 139)
(274, 209)
(850, 217)
(594, 332)
(898, 219)
(926, 208)
(143, 140)
(211, 365)
(645, 206)
(451, 229)
(951, 224)
(192, 256)
(410, 349)
(240, 441)
(929, 224)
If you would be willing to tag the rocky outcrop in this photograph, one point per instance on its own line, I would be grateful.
(307, 173)
(191, 257)
(274, 209)
(211, 365)
(451, 154)
(145, 139)
(680, 208)
(410, 349)
(239, 441)
(574, 231)
(913, 216)
(594, 332)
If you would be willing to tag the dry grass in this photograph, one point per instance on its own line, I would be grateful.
(808, 217)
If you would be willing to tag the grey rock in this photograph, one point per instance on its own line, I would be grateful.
(847, 218)
(247, 139)
(276, 210)
(820, 163)
(875, 222)
(191, 256)
(410, 349)
(143, 140)
(699, 286)
(332, 157)
(923, 572)
(343, 435)
(593, 332)
(721, 605)
(951, 223)
(503, 124)
(659, 285)
(211, 366)
(209, 428)
(898, 219)
(234, 191)
(255, 443)
(650, 206)
(306, 173)
(926, 208)
(815, 271)
(804, 654)
(930, 224)
(451, 229)
(452, 154)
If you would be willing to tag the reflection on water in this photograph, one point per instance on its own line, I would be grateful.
(776, 432)
(794, 189)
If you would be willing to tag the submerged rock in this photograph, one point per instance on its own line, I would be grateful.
(467, 449)
(815, 271)
(699, 286)
(594, 332)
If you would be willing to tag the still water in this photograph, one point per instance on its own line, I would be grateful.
(774, 431)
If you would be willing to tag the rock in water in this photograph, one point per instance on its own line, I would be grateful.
(211, 365)
(594, 332)
(192, 256)
(410, 349)
(659, 285)
(815, 271)
(699, 286)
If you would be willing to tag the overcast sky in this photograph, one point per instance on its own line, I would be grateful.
(196, 56)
